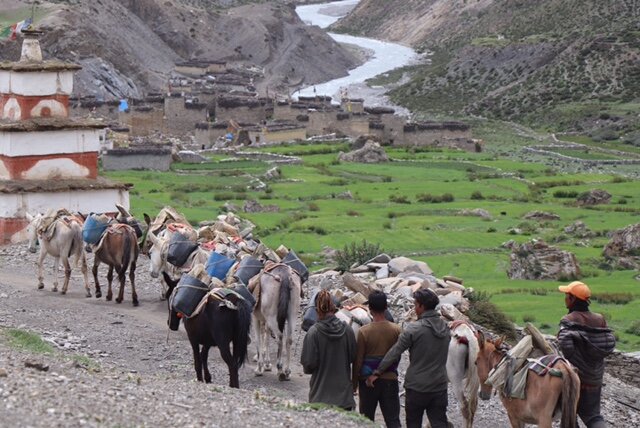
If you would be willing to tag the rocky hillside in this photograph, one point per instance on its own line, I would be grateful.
(128, 47)
(550, 61)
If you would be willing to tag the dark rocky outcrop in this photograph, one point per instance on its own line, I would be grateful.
(624, 247)
(541, 215)
(537, 260)
(594, 197)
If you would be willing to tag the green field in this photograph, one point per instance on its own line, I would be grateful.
(387, 207)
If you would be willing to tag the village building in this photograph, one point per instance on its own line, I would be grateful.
(276, 132)
(200, 67)
(47, 159)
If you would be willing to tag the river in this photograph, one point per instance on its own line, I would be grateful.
(385, 57)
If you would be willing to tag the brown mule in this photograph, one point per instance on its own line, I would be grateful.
(545, 395)
(118, 249)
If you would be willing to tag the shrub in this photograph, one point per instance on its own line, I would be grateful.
(539, 291)
(314, 207)
(356, 253)
(386, 225)
(634, 328)
(399, 199)
(447, 197)
(614, 298)
(424, 197)
(491, 230)
(565, 194)
(353, 213)
(622, 201)
(477, 195)
(528, 318)
(489, 315)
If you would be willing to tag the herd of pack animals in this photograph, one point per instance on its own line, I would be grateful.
(472, 355)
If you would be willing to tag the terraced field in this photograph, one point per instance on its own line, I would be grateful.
(400, 205)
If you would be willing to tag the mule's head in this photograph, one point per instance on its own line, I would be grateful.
(32, 231)
(157, 254)
(489, 355)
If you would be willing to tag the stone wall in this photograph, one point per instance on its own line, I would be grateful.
(157, 159)
(143, 121)
(181, 118)
(245, 114)
(624, 367)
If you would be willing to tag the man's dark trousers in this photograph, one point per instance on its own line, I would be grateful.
(385, 392)
(589, 406)
(434, 403)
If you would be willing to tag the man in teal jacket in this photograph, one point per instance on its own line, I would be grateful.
(426, 379)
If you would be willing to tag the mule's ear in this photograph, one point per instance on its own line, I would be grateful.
(147, 219)
(29, 217)
(152, 238)
(499, 342)
(82, 216)
(481, 339)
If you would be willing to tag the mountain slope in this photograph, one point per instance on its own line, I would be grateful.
(557, 60)
(129, 47)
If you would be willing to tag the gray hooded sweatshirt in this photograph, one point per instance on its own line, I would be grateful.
(328, 350)
(428, 343)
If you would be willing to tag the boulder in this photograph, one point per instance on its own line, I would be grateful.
(253, 206)
(405, 264)
(624, 243)
(541, 215)
(537, 260)
(451, 313)
(272, 174)
(188, 156)
(371, 152)
(594, 197)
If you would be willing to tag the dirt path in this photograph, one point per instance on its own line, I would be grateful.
(127, 342)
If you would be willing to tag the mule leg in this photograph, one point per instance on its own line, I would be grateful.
(94, 270)
(84, 270)
(67, 274)
(132, 279)
(515, 422)
(109, 281)
(279, 356)
(259, 326)
(197, 362)
(266, 354)
(286, 375)
(41, 257)
(225, 353)
(122, 277)
(204, 357)
(56, 263)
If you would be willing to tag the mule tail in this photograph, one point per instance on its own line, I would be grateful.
(472, 384)
(283, 301)
(570, 396)
(241, 336)
(126, 257)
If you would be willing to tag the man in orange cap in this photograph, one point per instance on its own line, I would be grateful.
(585, 341)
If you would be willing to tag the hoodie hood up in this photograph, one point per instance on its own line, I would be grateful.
(331, 327)
(431, 319)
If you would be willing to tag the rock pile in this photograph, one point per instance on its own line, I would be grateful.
(541, 215)
(624, 247)
(399, 277)
(371, 152)
(594, 197)
(536, 260)
(579, 230)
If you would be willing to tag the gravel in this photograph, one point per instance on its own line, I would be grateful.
(116, 365)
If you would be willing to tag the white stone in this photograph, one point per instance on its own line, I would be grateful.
(56, 168)
(49, 142)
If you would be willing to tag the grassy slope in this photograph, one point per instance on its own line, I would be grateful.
(312, 215)
(548, 63)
